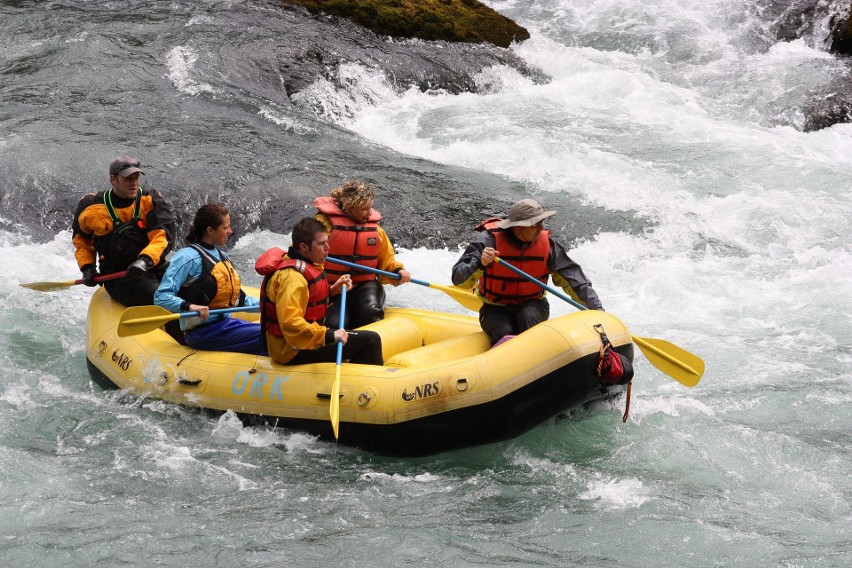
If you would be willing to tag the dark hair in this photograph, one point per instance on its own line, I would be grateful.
(305, 229)
(211, 215)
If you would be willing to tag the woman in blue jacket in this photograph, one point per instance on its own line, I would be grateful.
(200, 277)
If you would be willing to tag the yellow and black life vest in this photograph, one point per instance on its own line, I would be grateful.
(113, 231)
(219, 283)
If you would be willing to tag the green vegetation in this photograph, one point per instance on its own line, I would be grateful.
(449, 20)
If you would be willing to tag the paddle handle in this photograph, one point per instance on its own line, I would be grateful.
(535, 280)
(216, 311)
(105, 277)
(393, 275)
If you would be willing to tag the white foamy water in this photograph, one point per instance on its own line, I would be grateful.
(682, 114)
(180, 61)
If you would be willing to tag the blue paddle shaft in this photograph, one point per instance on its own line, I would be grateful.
(224, 311)
(535, 280)
(339, 359)
(374, 270)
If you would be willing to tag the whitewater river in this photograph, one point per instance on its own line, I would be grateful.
(724, 229)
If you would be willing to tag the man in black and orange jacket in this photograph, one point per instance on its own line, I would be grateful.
(124, 228)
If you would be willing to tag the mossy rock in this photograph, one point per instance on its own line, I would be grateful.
(449, 20)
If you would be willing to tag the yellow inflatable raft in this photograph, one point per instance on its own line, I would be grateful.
(441, 387)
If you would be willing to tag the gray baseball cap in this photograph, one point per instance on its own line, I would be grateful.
(525, 213)
(124, 166)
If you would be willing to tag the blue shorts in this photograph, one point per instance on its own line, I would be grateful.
(227, 334)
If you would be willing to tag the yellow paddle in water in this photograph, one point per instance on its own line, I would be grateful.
(334, 406)
(678, 363)
(53, 286)
(144, 319)
(464, 297)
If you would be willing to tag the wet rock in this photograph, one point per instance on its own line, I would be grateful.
(320, 49)
(835, 108)
(792, 19)
(426, 65)
(841, 32)
(823, 24)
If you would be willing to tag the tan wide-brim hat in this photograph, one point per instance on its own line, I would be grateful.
(525, 213)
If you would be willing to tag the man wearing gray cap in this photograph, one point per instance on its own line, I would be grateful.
(124, 228)
(510, 303)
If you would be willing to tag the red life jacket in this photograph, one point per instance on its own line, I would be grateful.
(271, 262)
(350, 241)
(503, 286)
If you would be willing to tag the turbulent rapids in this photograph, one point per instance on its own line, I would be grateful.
(670, 136)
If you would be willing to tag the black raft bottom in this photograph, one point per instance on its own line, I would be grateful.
(99, 378)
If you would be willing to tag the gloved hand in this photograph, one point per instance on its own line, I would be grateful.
(89, 274)
(137, 268)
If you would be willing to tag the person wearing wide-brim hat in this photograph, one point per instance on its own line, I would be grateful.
(510, 303)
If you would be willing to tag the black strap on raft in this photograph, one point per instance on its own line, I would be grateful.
(611, 367)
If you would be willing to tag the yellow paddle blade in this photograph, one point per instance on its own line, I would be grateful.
(143, 319)
(334, 406)
(50, 286)
(464, 297)
(676, 362)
